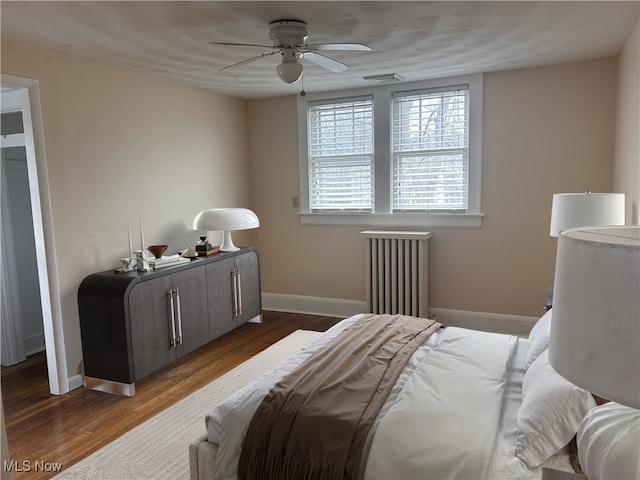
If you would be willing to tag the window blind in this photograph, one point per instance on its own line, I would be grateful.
(430, 149)
(340, 142)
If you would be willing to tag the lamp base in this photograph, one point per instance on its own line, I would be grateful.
(227, 243)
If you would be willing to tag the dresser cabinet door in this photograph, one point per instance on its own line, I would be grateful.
(190, 308)
(249, 292)
(151, 328)
(220, 296)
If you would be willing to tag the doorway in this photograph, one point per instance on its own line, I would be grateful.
(22, 325)
(23, 161)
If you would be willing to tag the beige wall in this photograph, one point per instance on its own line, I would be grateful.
(627, 153)
(295, 260)
(546, 130)
(121, 146)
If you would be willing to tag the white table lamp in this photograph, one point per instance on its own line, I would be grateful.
(595, 341)
(587, 209)
(226, 220)
(595, 331)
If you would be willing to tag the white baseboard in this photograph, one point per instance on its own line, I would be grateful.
(489, 322)
(336, 307)
(76, 381)
(34, 343)
(328, 307)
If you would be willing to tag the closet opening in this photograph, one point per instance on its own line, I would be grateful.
(31, 313)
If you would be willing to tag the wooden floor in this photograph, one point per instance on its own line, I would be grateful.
(64, 429)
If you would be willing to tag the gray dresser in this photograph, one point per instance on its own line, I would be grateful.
(135, 323)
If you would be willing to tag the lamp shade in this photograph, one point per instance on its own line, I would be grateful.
(289, 72)
(595, 330)
(226, 220)
(588, 209)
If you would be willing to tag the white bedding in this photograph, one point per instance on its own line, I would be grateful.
(488, 423)
(445, 423)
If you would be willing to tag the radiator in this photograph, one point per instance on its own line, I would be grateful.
(397, 272)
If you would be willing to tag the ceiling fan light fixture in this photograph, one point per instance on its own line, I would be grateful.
(289, 72)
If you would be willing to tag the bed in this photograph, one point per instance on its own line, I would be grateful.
(466, 404)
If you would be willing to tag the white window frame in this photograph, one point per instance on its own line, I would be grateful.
(382, 214)
(345, 152)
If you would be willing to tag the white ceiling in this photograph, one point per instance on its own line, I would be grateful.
(416, 39)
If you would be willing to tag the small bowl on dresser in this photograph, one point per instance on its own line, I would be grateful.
(157, 250)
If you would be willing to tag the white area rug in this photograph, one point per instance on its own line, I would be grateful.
(159, 448)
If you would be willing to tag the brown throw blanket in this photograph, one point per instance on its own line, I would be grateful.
(313, 423)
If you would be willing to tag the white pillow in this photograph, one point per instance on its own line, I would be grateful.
(609, 442)
(550, 414)
(538, 338)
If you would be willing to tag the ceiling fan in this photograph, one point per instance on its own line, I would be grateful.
(289, 38)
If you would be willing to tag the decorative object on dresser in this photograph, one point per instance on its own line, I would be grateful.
(157, 250)
(595, 341)
(135, 323)
(226, 220)
(204, 248)
(143, 255)
(129, 263)
(189, 252)
(167, 261)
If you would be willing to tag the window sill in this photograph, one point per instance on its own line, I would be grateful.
(400, 220)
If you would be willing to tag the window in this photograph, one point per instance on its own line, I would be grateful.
(395, 155)
(430, 151)
(340, 144)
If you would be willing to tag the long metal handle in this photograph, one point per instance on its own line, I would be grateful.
(234, 295)
(239, 290)
(178, 310)
(172, 343)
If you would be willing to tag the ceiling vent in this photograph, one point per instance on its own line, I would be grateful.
(384, 78)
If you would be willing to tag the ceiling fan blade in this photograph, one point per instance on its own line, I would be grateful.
(340, 46)
(248, 60)
(231, 44)
(324, 61)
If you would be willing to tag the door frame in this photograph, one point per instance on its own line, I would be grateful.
(29, 97)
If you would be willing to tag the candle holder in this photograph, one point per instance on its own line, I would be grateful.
(143, 255)
(130, 263)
